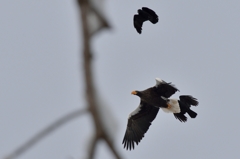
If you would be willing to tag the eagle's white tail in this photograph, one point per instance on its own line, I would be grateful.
(174, 106)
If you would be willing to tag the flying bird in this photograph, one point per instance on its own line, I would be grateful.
(141, 118)
(143, 15)
(185, 103)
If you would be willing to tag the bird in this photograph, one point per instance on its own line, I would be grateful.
(185, 102)
(152, 99)
(143, 15)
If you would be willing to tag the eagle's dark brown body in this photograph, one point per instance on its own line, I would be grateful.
(152, 97)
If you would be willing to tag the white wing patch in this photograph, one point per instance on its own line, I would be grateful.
(135, 111)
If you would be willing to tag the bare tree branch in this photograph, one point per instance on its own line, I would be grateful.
(87, 56)
(46, 131)
(90, 89)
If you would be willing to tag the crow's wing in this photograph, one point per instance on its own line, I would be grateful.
(152, 16)
(188, 100)
(138, 22)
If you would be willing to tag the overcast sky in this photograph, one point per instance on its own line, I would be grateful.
(195, 45)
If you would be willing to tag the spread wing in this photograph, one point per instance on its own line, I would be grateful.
(153, 17)
(142, 16)
(188, 100)
(165, 89)
(138, 22)
(139, 122)
(180, 116)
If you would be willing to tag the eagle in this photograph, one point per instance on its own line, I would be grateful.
(141, 118)
(143, 15)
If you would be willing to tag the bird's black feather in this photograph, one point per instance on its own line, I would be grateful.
(185, 103)
(188, 99)
(166, 89)
(138, 124)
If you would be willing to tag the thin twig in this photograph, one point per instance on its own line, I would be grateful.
(46, 131)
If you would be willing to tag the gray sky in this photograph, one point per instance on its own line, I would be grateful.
(195, 45)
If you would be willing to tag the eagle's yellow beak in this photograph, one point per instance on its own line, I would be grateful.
(134, 92)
